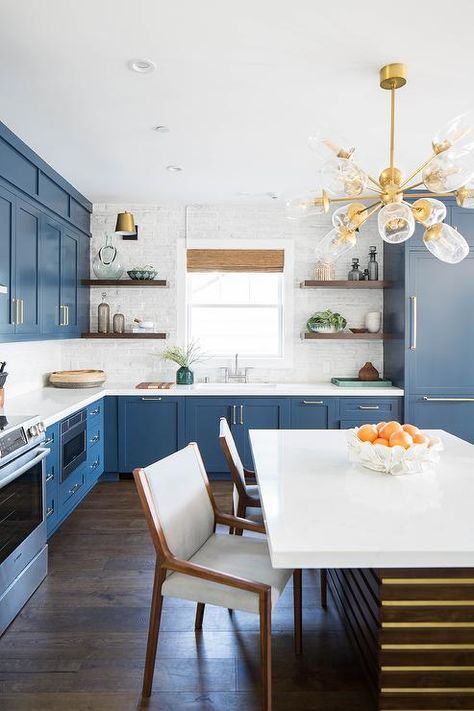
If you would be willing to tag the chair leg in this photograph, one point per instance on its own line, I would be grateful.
(153, 630)
(323, 582)
(241, 509)
(199, 616)
(266, 649)
(297, 611)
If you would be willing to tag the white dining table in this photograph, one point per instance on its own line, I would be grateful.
(322, 511)
(399, 554)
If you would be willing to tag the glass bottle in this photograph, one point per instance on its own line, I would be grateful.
(103, 316)
(118, 322)
(355, 274)
(365, 275)
(373, 265)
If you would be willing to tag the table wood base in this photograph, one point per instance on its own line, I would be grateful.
(414, 629)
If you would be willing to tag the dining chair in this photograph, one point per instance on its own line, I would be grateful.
(248, 494)
(247, 502)
(193, 562)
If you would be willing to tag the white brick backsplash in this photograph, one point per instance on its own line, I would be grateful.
(159, 228)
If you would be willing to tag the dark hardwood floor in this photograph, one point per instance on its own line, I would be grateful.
(79, 643)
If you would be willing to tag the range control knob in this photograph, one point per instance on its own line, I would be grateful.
(33, 431)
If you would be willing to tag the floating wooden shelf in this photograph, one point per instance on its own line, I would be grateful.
(345, 336)
(124, 335)
(124, 282)
(345, 284)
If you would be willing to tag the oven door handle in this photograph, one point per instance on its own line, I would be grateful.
(43, 452)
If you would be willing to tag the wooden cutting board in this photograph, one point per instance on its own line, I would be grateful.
(159, 385)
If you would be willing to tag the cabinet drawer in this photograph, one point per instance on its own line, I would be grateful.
(95, 412)
(72, 486)
(94, 436)
(52, 440)
(51, 510)
(370, 408)
(95, 462)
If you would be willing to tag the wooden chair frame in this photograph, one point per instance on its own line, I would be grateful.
(244, 499)
(167, 561)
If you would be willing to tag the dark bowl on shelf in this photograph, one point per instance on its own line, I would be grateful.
(142, 274)
(359, 330)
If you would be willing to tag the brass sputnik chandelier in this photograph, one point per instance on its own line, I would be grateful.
(449, 170)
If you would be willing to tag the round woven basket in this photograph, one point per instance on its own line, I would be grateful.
(77, 378)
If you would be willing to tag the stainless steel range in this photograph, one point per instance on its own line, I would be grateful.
(23, 548)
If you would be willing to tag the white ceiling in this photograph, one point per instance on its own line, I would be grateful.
(240, 84)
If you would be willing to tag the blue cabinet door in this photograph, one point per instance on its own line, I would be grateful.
(202, 426)
(27, 248)
(150, 428)
(313, 413)
(69, 279)
(7, 260)
(266, 413)
(440, 363)
(52, 316)
(462, 220)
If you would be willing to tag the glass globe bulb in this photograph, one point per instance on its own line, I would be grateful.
(429, 211)
(450, 170)
(351, 216)
(335, 244)
(396, 223)
(341, 176)
(446, 243)
(307, 205)
(326, 145)
(460, 128)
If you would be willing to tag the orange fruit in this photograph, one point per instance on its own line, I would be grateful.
(420, 438)
(389, 429)
(401, 439)
(381, 440)
(411, 429)
(379, 425)
(367, 433)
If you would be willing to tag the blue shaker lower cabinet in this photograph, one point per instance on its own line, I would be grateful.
(314, 413)
(149, 428)
(202, 424)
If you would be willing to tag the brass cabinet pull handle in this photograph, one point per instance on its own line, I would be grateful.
(241, 414)
(92, 413)
(49, 511)
(95, 438)
(369, 407)
(414, 323)
(313, 402)
(447, 399)
(95, 464)
(75, 488)
(49, 440)
(67, 315)
(13, 315)
(151, 399)
(22, 311)
(49, 477)
(62, 315)
(234, 414)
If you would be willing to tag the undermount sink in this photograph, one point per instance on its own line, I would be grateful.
(235, 386)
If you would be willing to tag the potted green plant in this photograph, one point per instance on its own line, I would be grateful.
(184, 356)
(326, 322)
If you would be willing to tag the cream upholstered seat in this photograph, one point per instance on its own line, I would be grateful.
(196, 563)
(243, 557)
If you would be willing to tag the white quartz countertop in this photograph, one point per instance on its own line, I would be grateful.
(52, 404)
(321, 511)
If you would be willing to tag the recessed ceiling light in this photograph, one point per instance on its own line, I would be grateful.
(173, 168)
(142, 66)
(161, 129)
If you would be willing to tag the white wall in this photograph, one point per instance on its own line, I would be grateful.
(160, 228)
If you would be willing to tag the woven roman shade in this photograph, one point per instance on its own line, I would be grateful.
(235, 260)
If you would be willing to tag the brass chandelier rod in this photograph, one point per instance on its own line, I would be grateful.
(392, 131)
(420, 168)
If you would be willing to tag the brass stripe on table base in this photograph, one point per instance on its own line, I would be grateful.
(415, 632)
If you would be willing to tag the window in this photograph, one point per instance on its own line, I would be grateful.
(236, 312)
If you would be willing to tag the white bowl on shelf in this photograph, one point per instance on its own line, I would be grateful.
(394, 460)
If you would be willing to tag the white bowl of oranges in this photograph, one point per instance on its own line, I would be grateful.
(393, 448)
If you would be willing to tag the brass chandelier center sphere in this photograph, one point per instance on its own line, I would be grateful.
(390, 180)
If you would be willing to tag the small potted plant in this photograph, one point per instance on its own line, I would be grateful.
(326, 322)
(184, 356)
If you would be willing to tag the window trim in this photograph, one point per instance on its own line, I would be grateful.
(285, 361)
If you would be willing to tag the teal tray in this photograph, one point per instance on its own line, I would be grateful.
(356, 383)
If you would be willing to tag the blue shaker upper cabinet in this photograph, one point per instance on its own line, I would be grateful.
(440, 344)
(27, 291)
(50, 252)
(70, 248)
(7, 260)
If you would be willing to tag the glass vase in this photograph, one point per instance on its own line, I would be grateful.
(184, 376)
(106, 263)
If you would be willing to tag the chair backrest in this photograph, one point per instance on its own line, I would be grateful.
(231, 454)
(177, 499)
